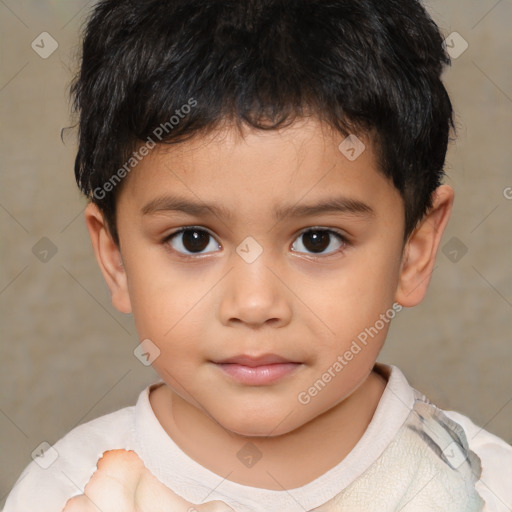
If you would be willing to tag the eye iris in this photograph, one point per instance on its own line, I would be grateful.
(195, 241)
(316, 241)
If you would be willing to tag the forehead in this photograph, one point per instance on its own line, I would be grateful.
(237, 170)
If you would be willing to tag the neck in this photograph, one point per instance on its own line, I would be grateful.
(287, 461)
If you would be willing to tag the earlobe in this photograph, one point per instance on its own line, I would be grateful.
(109, 258)
(421, 249)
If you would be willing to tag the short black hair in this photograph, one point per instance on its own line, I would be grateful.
(167, 70)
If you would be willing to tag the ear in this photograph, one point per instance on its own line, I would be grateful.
(109, 258)
(421, 248)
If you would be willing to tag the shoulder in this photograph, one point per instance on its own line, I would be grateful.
(496, 459)
(494, 454)
(63, 470)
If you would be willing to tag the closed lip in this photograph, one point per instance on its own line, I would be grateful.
(252, 361)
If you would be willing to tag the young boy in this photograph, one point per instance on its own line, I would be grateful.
(265, 196)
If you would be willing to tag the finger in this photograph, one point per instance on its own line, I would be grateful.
(112, 486)
(153, 496)
(80, 504)
(117, 476)
(212, 506)
(124, 466)
(122, 482)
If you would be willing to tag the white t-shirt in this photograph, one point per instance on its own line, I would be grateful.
(64, 469)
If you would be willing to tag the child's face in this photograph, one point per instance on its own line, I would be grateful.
(305, 307)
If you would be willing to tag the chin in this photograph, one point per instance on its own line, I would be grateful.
(256, 425)
(264, 432)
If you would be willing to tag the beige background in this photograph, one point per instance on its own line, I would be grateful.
(67, 355)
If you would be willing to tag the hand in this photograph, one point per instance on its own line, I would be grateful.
(122, 483)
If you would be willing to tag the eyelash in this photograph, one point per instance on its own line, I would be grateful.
(341, 237)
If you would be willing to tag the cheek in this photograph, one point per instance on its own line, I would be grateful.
(357, 307)
(356, 296)
(166, 305)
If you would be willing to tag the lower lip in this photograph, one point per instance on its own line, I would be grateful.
(258, 375)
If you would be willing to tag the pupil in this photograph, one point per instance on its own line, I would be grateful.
(195, 241)
(316, 241)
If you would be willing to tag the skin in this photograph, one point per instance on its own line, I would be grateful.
(122, 483)
(305, 306)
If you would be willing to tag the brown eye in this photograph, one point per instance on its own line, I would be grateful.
(192, 241)
(317, 241)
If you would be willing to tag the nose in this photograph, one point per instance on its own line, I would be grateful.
(253, 294)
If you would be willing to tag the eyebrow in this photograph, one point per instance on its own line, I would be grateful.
(330, 205)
